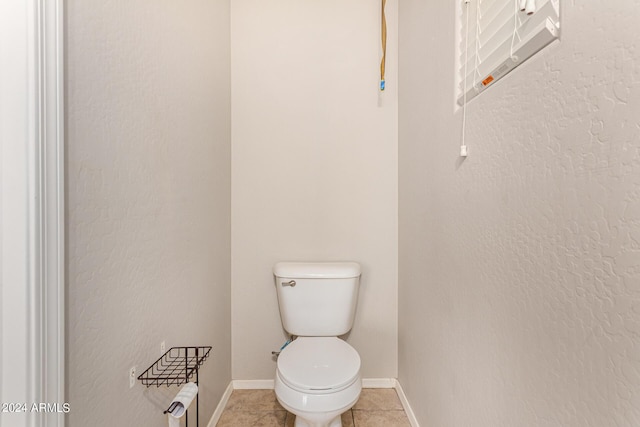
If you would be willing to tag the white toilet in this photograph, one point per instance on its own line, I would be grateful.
(318, 374)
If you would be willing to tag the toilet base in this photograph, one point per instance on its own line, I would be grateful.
(336, 422)
(317, 410)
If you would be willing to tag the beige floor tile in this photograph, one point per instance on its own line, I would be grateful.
(252, 419)
(378, 399)
(380, 419)
(260, 408)
(347, 419)
(253, 400)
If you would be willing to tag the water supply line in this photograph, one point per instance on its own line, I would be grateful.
(289, 341)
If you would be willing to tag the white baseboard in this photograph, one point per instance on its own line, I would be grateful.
(405, 404)
(269, 384)
(378, 383)
(220, 408)
(253, 384)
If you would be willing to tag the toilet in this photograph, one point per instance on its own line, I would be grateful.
(317, 374)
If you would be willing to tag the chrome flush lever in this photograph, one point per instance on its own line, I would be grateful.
(291, 283)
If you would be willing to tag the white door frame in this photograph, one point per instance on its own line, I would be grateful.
(32, 211)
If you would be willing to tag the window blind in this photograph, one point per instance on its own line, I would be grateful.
(501, 37)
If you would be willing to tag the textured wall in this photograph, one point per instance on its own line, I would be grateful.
(314, 167)
(520, 267)
(148, 175)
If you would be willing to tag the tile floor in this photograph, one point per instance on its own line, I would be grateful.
(375, 408)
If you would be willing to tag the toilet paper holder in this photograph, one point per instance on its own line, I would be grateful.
(177, 366)
(173, 406)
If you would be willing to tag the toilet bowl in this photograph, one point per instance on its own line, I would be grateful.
(317, 379)
(318, 374)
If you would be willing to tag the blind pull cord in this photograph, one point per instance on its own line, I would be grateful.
(384, 46)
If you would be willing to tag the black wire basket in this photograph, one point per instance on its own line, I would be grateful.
(177, 366)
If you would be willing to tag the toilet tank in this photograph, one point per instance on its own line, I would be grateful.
(317, 299)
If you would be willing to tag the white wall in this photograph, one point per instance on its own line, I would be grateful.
(16, 111)
(314, 167)
(148, 124)
(519, 267)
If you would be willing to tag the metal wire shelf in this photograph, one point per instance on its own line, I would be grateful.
(176, 367)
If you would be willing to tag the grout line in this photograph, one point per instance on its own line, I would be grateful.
(353, 418)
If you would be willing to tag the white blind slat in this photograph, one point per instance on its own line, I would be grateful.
(490, 31)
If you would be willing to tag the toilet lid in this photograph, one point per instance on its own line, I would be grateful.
(318, 363)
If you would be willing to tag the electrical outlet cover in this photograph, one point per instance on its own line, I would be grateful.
(132, 377)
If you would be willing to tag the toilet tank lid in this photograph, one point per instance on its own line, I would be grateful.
(317, 270)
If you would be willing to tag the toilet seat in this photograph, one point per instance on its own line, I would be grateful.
(319, 365)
